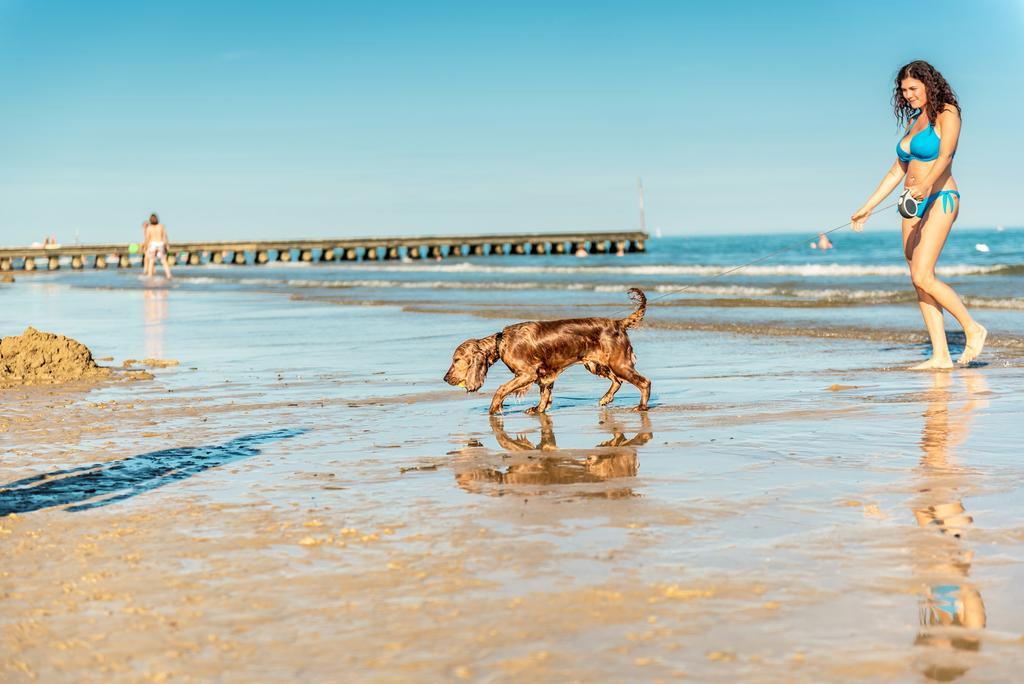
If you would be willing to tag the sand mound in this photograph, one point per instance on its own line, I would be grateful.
(40, 358)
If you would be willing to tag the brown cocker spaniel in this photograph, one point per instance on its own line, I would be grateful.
(537, 351)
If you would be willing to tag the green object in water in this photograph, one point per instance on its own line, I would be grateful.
(133, 248)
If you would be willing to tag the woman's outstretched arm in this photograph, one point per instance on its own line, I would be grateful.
(892, 178)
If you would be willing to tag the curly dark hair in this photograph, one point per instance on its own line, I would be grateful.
(937, 90)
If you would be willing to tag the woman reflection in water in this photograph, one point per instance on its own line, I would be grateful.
(951, 609)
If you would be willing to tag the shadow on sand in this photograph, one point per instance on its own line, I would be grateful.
(101, 484)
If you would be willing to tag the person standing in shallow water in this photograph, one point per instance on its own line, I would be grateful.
(154, 245)
(925, 103)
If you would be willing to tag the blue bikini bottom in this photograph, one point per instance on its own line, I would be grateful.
(947, 201)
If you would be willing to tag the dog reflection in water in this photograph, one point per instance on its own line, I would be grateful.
(544, 463)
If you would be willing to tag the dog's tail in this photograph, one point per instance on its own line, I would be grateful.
(634, 318)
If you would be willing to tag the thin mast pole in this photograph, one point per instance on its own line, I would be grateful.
(643, 217)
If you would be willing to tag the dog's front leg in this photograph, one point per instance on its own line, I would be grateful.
(515, 384)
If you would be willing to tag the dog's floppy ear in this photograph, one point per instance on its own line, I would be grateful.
(477, 372)
(480, 362)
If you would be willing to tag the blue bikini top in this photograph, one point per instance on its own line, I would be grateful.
(923, 147)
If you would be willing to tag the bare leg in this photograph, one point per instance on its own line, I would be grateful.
(927, 238)
(520, 382)
(167, 267)
(931, 312)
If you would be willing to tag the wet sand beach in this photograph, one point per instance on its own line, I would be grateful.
(302, 498)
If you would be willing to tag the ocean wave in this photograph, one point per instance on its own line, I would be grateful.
(806, 270)
(660, 294)
(725, 290)
(1010, 303)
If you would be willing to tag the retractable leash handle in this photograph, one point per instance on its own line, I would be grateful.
(907, 204)
(758, 260)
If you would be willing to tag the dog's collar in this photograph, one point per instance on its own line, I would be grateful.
(497, 345)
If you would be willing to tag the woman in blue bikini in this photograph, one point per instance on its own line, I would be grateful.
(924, 102)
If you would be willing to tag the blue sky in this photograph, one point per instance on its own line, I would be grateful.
(259, 120)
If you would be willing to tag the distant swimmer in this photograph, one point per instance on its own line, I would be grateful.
(154, 244)
(930, 201)
(824, 242)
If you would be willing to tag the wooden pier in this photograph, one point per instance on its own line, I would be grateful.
(347, 249)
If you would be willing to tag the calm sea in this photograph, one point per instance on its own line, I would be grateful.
(862, 281)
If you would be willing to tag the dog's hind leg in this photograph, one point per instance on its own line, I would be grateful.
(520, 382)
(603, 371)
(610, 394)
(624, 370)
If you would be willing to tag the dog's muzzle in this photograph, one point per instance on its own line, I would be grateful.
(448, 379)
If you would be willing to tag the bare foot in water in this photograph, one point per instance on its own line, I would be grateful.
(975, 343)
(934, 364)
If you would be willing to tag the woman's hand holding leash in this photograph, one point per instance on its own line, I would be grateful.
(859, 218)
